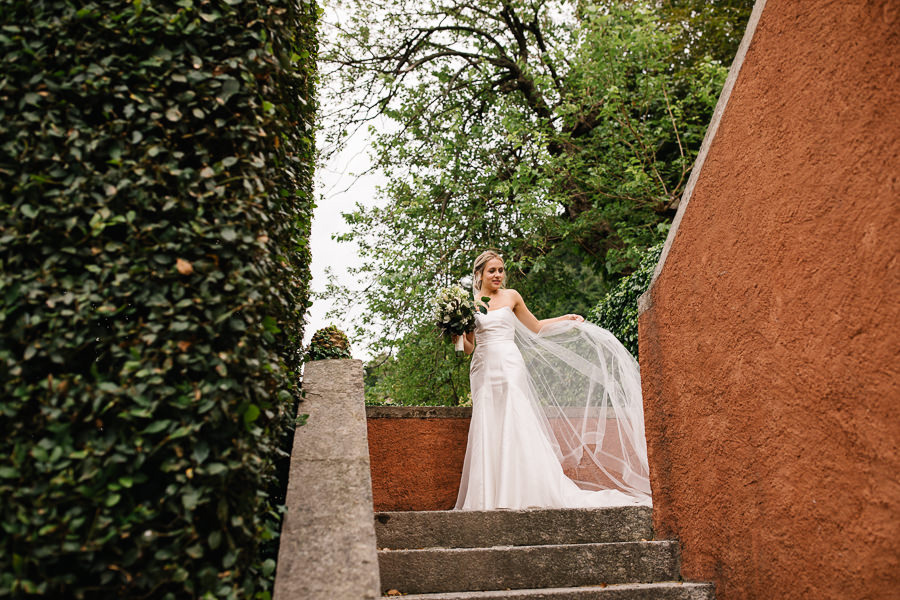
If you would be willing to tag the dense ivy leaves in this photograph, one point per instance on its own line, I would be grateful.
(328, 342)
(618, 310)
(155, 185)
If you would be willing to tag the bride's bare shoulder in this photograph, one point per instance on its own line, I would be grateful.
(511, 296)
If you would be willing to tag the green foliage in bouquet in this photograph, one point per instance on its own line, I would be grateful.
(156, 187)
(454, 310)
(618, 311)
(328, 342)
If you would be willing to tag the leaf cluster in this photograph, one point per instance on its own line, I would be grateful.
(328, 342)
(705, 28)
(618, 310)
(426, 370)
(156, 184)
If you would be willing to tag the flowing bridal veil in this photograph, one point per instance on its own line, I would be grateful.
(565, 400)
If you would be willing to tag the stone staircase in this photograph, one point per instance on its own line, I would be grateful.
(562, 554)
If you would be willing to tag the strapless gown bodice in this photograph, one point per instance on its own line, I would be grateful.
(494, 327)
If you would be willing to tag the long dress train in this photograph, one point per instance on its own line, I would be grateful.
(568, 396)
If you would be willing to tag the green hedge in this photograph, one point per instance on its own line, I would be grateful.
(155, 181)
(618, 311)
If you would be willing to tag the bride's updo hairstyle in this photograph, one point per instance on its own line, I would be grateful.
(478, 270)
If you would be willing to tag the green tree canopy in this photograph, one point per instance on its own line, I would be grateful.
(560, 133)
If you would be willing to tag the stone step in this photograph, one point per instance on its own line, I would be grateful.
(527, 567)
(533, 527)
(668, 590)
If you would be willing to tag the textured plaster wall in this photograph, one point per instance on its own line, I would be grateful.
(770, 345)
(416, 455)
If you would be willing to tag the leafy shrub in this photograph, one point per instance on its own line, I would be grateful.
(328, 342)
(425, 371)
(618, 311)
(155, 181)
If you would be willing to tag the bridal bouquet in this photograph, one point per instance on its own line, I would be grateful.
(454, 311)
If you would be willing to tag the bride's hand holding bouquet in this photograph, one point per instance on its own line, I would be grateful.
(454, 312)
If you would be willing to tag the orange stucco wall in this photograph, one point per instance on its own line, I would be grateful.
(770, 346)
(416, 456)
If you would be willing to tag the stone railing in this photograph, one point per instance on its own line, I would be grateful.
(328, 547)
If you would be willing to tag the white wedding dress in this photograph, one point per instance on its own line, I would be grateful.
(567, 397)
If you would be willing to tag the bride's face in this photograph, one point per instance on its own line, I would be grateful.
(492, 276)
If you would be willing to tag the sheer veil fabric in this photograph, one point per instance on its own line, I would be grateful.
(567, 398)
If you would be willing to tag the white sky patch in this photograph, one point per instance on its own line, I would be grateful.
(340, 184)
(338, 190)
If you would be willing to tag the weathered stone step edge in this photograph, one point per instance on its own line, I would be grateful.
(668, 590)
(533, 527)
(527, 567)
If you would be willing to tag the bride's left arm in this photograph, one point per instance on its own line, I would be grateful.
(529, 320)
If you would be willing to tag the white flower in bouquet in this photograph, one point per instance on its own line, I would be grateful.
(455, 312)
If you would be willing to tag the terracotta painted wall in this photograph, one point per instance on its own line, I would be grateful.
(770, 345)
(416, 455)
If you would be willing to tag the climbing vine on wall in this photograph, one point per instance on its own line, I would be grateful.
(618, 310)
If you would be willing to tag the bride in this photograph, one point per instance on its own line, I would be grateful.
(549, 397)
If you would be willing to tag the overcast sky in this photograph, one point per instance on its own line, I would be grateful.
(337, 191)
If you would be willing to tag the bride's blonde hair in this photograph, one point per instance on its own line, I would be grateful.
(478, 270)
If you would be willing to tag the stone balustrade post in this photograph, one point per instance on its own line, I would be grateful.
(328, 547)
